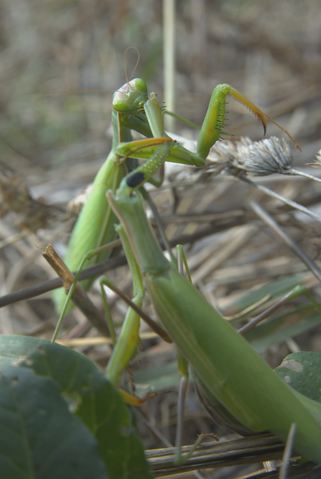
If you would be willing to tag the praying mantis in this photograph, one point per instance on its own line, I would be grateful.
(231, 373)
(227, 367)
(134, 109)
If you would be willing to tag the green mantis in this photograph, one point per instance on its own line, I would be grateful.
(228, 369)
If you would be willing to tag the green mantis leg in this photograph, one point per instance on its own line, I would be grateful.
(128, 339)
(213, 123)
(67, 298)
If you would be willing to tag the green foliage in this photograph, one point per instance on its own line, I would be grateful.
(55, 379)
(39, 437)
(283, 327)
(301, 371)
(286, 322)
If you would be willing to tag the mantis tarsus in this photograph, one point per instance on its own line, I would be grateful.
(228, 369)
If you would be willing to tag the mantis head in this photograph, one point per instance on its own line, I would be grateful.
(131, 96)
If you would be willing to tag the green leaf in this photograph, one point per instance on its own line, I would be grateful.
(293, 320)
(113, 427)
(39, 437)
(301, 371)
(273, 290)
(92, 398)
(156, 378)
(283, 327)
(15, 348)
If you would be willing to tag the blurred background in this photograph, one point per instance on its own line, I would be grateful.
(61, 61)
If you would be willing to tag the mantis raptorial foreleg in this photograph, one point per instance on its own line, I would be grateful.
(210, 132)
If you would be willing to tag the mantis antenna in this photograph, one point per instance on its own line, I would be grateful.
(126, 62)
